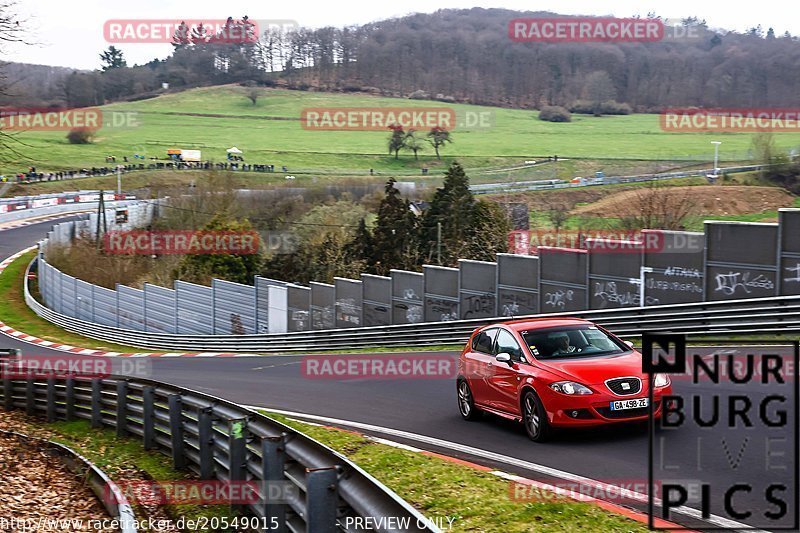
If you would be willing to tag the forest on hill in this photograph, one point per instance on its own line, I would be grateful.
(456, 55)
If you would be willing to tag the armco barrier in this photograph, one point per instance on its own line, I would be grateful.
(217, 439)
(779, 314)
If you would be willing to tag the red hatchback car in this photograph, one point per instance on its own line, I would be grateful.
(554, 372)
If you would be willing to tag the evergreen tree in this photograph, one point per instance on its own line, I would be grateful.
(395, 234)
(452, 206)
(181, 37)
(112, 58)
(361, 248)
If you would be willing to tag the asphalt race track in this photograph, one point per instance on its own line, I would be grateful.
(425, 409)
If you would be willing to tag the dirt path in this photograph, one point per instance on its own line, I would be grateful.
(706, 200)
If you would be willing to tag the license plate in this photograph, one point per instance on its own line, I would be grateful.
(634, 403)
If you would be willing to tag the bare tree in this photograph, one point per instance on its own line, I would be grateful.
(413, 143)
(764, 149)
(598, 89)
(11, 31)
(657, 207)
(558, 214)
(253, 93)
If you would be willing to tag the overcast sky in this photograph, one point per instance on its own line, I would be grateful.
(70, 33)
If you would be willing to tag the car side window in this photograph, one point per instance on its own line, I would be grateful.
(484, 340)
(506, 343)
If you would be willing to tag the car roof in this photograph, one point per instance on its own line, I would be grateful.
(527, 324)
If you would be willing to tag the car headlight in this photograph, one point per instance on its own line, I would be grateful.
(661, 380)
(570, 388)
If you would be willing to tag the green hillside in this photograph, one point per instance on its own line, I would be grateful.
(216, 118)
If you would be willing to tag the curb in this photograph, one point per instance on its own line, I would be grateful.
(22, 336)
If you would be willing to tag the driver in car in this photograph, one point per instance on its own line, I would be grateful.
(563, 346)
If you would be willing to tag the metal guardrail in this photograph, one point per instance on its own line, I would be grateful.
(97, 480)
(217, 439)
(61, 209)
(755, 315)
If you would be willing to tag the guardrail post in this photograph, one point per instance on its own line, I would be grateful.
(237, 453)
(8, 393)
(97, 415)
(51, 399)
(238, 449)
(148, 417)
(176, 430)
(30, 398)
(273, 461)
(321, 500)
(69, 400)
(122, 408)
(204, 430)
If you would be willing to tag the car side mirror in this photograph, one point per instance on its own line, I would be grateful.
(504, 358)
(629, 343)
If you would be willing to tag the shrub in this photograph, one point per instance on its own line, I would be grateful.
(555, 113)
(81, 135)
(615, 108)
(585, 107)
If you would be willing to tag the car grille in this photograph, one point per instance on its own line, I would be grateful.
(626, 413)
(624, 386)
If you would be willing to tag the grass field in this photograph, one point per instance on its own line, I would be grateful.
(216, 118)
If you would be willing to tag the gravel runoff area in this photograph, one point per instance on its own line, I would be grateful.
(37, 489)
(38, 492)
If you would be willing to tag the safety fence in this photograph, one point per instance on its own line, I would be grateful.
(729, 262)
(779, 315)
(25, 207)
(303, 485)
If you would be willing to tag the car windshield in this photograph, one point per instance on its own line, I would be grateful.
(572, 341)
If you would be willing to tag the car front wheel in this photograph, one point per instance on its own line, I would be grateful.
(466, 403)
(534, 417)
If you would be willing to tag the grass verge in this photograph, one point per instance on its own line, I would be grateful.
(16, 313)
(478, 501)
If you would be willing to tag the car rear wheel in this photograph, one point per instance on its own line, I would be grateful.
(466, 404)
(534, 417)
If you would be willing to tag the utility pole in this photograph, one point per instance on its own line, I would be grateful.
(119, 180)
(101, 213)
(439, 243)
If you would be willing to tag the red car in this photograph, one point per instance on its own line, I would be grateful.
(554, 372)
